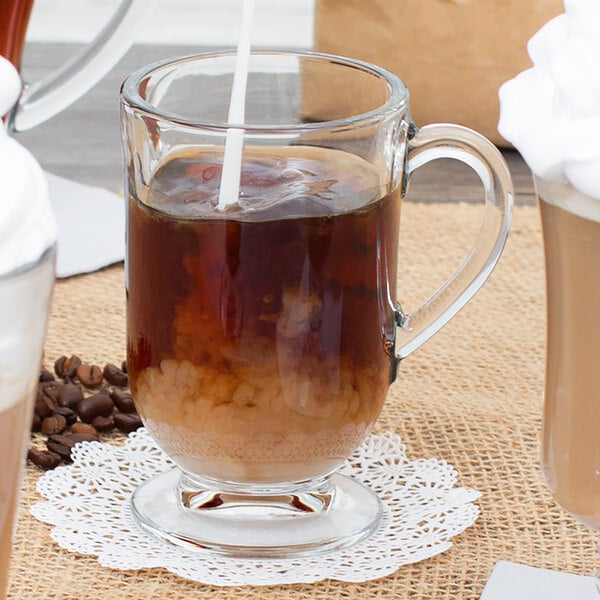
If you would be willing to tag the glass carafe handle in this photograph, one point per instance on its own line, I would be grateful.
(469, 147)
(56, 91)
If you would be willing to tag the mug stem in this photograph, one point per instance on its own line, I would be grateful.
(335, 513)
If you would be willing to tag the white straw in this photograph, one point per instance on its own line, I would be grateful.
(234, 142)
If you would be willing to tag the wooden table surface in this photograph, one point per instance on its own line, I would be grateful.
(82, 142)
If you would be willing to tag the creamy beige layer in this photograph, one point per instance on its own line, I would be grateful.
(258, 425)
(571, 447)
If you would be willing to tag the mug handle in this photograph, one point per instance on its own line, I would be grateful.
(471, 148)
(59, 89)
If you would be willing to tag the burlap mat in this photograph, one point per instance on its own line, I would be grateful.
(472, 396)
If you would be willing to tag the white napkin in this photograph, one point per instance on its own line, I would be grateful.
(91, 226)
(511, 581)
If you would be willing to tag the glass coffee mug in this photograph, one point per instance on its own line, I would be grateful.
(59, 89)
(262, 336)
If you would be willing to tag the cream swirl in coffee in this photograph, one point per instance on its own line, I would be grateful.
(551, 111)
(27, 226)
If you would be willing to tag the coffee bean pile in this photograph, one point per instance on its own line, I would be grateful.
(78, 402)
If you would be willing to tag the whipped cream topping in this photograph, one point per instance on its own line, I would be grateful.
(27, 225)
(551, 112)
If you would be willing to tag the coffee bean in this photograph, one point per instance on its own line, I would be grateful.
(70, 395)
(127, 422)
(59, 366)
(67, 367)
(123, 400)
(115, 376)
(44, 406)
(45, 375)
(103, 423)
(60, 439)
(90, 375)
(43, 458)
(75, 438)
(95, 405)
(84, 428)
(50, 389)
(36, 422)
(61, 445)
(53, 424)
(68, 414)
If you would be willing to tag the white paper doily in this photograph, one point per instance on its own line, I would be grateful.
(88, 504)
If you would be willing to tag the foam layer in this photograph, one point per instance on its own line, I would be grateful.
(568, 198)
(551, 112)
(27, 226)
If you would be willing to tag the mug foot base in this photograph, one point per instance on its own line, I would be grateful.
(338, 513)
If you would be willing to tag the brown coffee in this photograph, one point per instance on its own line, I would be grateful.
(14, 17)
(259, 338)
(14, 435)
(571, 448)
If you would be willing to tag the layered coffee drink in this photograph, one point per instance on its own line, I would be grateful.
(557, 98)
(571, 453)
(259, 338)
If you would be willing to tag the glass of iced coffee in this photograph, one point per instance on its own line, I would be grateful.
(263, 335)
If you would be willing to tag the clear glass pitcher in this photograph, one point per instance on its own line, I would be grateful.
(57, 90)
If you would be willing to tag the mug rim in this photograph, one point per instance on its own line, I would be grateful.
(397, 98)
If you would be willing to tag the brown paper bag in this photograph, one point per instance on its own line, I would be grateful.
(452, 54)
